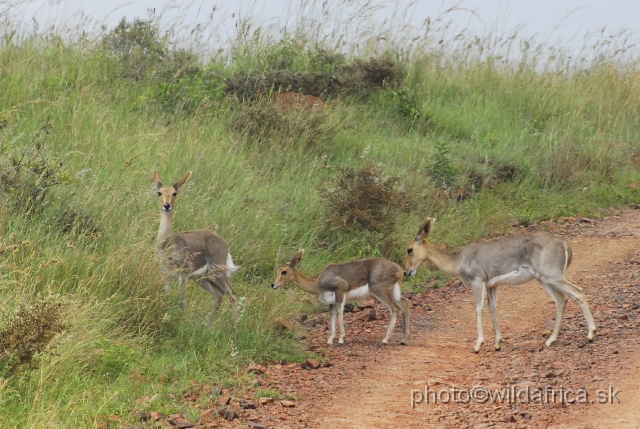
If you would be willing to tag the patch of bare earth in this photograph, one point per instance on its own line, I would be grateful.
(365, 385)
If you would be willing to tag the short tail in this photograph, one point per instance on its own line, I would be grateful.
(567, 256)
(230, 266)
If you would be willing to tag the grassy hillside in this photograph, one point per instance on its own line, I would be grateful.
(87, 326)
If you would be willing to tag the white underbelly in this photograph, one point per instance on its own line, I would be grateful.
(199, 272)
(356, 294)
(359, 293)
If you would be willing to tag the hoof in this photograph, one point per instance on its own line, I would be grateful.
(403, 343)
(474, 351)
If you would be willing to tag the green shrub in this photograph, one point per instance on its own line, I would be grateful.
(138, 45)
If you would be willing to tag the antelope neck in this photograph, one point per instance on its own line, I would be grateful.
(441, 259)
(165, 230)
(306, 283)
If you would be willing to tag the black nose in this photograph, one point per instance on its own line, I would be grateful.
(167, 206)
(406, 273)
(273, 285)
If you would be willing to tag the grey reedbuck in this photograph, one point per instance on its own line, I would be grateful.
(510, 260)
(199, 254)
(338, 283)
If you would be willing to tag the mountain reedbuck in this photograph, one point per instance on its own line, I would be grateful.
(510, 260)
(338, 283)
(199, 254)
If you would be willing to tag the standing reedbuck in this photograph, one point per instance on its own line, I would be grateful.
(510, 260)
(199, 254)
(337, 283)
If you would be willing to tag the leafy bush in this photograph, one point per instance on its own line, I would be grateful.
(137, 45)
(441, 169)
(28, 173)
(363, 199)
(28, 332)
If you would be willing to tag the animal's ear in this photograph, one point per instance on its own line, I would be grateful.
(182, 181)
(425, 229)
(156, 179)
(296, 258)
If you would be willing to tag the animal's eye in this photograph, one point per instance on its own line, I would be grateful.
(284, 273)
(159, 194)
(175, 193)
(409, 251)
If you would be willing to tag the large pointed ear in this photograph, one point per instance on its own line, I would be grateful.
(425, 229)
(156, 179)
(182, 180)
(296, 258)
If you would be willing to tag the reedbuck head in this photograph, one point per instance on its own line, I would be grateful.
(167, 194)
(286, 273)
(419, 249)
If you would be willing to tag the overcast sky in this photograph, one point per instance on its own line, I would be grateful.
(555, 22)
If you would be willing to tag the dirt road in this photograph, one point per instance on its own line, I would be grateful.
(606, 263)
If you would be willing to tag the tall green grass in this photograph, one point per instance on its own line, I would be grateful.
(567, 138)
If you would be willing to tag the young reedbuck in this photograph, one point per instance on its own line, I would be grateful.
(199, 254)
(510, 260)
(338, 283)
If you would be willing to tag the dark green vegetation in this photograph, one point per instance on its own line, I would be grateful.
(474, 143)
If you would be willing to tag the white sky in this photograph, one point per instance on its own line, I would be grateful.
(555, 22)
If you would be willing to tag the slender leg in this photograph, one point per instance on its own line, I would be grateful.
(168, 279)
(210, 287)
(333, 324)
(392, 322)
(182, 291)
(561, 302)
(223, 284)
(167, 284)
(479, 291)
(340, 302)
(405, 304)
(492, 298)
(576, 293)
(389, 302)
